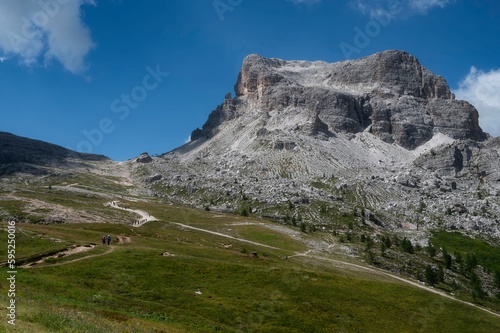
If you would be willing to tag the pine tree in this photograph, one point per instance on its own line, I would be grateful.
(406, 245)
(382, 249)
(476, 288)
(447, 259)
(496, 279)
(430, 276)
(387, 242)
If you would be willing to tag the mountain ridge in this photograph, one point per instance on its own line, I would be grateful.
(388, 94)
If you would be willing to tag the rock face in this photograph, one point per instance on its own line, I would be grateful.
(144, 158)
(381, 132)
(389, 94)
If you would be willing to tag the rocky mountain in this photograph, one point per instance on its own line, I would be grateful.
(316, 141)
(19, 154)
(388, 94)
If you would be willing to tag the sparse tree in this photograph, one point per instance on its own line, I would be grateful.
(387, 242)
(244, 212)
(382, 249)
(303, 227)
(431, 250)
(476, 288)
(406, 245)
(430, 276)
(369, 243)
(447, 259)
(440, 274)
(470, 262)
(496, 279)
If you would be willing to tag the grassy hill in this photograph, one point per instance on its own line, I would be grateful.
(163, 277)
(195, 271)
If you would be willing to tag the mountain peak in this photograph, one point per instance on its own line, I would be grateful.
(390, 94)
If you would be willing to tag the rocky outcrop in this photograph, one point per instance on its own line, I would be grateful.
(389, 94)
(144, 158)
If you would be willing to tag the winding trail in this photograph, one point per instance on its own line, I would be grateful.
(148, 217)
(145, 217)
(226, 236)
(111, 249)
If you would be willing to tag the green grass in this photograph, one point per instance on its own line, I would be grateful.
(136, 289)
(488, 255)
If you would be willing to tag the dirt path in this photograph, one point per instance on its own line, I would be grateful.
(224, 235)
(415, 284)
(145, 217)
(111, 249)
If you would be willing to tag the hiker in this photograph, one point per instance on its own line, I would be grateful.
(109, 239)
(103, 240)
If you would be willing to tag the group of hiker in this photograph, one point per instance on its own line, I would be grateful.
(104, 239)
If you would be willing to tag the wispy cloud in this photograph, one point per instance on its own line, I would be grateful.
(424, 5)
(405, 7)
(36, 30)
(481, 89)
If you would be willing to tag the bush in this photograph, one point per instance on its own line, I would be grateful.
(303, 227)
(244, 212)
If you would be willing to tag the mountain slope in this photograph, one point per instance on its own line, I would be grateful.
(19, 154)
(381, 133)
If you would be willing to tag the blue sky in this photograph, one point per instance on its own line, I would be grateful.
(122, 77)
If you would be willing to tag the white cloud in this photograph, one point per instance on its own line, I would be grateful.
(482, 89)
(403, 7)
(52, 29)
(425, 5)
(188, 140)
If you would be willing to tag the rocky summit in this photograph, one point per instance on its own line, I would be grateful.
(389, 94)
(319, 140)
